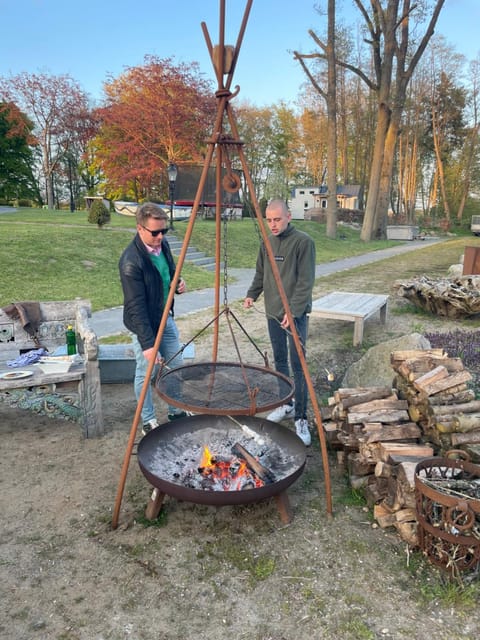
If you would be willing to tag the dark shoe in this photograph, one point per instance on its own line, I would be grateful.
(176, 416)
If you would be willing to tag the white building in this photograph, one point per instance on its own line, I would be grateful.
(304, 199)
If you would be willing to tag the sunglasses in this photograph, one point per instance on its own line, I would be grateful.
(157, 232)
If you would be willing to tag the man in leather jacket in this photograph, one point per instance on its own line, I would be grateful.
(146, 271)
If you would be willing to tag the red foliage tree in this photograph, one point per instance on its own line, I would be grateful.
(154, 114)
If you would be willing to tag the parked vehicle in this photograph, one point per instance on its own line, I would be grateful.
(475, 225)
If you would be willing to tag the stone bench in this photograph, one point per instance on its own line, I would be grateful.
(351, 307)
(81, 382)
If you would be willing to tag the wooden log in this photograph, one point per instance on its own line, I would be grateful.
(468, 422)
(406, 515)
(461, 407)
(383, 469)
(358, 466)
(386, 416)
(408, 532)
(375, 491)
(444, 398)
(451, 382)
(409, 354)
(351, 396)
(414, 368)
(384, 516)
(387, 449)
(472, 437)
(262, 472)
(405, 431)
(392, 402)
(358, 482)
(429, 378)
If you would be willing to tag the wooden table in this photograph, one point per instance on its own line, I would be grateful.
(351, 307)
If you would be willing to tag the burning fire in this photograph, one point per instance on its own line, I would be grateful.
(227, 475)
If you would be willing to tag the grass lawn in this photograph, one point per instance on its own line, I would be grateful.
(59, 255)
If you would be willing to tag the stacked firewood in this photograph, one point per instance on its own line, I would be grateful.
(382, 433)
(440, 401)
(380, 446)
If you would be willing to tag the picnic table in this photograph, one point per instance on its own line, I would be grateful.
(351, 307)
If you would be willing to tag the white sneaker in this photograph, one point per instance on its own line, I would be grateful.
(282, 413)
(303, 432)
(149, 426)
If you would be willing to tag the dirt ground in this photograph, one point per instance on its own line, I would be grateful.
(201, 571)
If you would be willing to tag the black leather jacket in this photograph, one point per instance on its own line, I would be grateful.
(143, 293)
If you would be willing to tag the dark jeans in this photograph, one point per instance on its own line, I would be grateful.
(282, 343)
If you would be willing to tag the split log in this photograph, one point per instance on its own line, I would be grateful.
(472, 437)
(409, 354)
(461, 407)
(383, 469)
(351, 396)
(254, 465)
(427, 379)
(460, 396)
(387, 449)
(406, 515)
(392, 402)
(408, 531)
(384, 516)
(405, 431)
(378, 416)
(416, 367)
(358, 466)
(451, 382)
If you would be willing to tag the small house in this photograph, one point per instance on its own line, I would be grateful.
(304, 199)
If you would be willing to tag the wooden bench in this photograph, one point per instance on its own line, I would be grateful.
(83, 378)
(352, 307)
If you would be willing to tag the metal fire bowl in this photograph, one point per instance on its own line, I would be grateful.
(159, 440)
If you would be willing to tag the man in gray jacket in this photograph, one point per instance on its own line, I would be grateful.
(294, 253)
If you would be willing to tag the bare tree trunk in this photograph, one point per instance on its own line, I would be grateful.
(331, 230)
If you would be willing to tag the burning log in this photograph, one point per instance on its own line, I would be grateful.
(254, 465)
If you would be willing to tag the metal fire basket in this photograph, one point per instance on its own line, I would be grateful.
(448, 517)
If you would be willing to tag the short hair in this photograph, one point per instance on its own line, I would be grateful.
(278, 204)
(150, 210)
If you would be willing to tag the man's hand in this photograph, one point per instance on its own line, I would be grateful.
(248, 303)
(148, 355)
(181, 286)
(284, 323)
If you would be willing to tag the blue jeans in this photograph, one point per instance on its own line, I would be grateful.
(283, 345)
(169, 346)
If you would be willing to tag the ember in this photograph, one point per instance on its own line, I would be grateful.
(227, 475)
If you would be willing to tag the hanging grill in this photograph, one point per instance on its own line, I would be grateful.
(223, 388)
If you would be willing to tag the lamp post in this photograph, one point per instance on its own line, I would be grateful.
(172, 177)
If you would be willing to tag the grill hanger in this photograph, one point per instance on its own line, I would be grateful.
(224, 59)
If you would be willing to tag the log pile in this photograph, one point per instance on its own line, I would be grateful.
(382, 433)
(380, 446)
(440, 401)
(448, 297)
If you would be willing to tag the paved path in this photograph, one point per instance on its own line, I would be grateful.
(109, 321)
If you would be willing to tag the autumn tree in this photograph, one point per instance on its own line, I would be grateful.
(52, 103)
(153, 114)
(16, 154)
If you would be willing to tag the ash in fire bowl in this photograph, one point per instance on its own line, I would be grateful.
(210, 453)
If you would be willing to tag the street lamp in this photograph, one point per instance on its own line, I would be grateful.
(172, 177)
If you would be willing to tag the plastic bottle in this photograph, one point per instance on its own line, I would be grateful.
(71, 340)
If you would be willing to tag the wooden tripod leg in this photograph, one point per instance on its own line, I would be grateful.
(283, 506)
(154, 504)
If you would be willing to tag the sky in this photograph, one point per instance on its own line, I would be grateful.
(93, 40)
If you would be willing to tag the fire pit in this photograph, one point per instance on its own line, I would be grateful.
(179, 460)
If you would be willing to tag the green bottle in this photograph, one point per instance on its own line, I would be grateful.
(71, 340)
